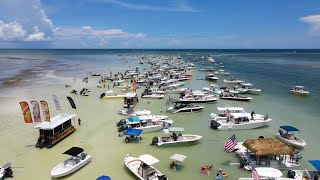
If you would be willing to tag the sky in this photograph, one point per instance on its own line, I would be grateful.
(160, 24)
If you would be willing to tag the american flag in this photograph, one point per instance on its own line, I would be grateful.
(254, 174)
(230, 144)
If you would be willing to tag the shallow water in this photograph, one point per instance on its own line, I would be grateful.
(273, 71)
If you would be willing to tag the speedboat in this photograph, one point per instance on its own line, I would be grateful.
(211, 77)
(142, 167)
(267, 173)
(131, 112)
(236, 118)
(214, 89)
(299, 90)
(197, 97)
(77, 160)
(306, 174)
(145, 123)
(184, 107)
(210, 60)
(233, 80)
(153, 95)
(176, 90)
(235, 97)
(222, 72)
(6, 171)
(110, 94)
(290, 138)
(175, 139)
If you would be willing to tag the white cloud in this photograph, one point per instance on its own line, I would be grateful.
(12, 31)
(314, 22)
(180, 7)
(36, 36)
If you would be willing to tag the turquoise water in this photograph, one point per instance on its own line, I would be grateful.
(274, 71)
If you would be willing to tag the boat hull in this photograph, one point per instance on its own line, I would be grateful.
(197, 109)
(252, 124)
(61, 170)
(186, 138)
(236, 98)
(197, 101)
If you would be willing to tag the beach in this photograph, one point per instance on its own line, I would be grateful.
(38, 74)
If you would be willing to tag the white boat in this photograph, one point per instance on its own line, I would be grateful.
(213, 90)
(128, 112)
(239, 91)
(299, 90)
(144, 123)
(235, 97)
(77, 160)
(185, 107)
(267, 173)
(153, 96)
(157, 91)
(211, 60)
(233, 80)
(222, 72)
(110, 95)
(142, 167)
(6, 171)
(176, 90)
(235, 118)
(175, 139)
(211, 77)
(197, 97)
(290, 138)
(306, 174)
(254, 91)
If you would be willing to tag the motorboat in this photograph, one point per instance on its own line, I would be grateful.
(84, 92)
(306, 174)
(214, 89)
(176, 90)
(233, 80)
(184, 107)
(210, 60)
(6, 171)
(299, 90)
(145, 123)
(236, 118)
(152, 95)
(120, 84)
(175, 139)
(248, 88)
(131, 112)
(254, 91)
(289, 138)
(238, 91)
(222, 72)
(157, 91)
(267, 173)
(77, 160)
(211, 77)
(142, 167)
(235, 97)
(197, 97)
(110, 95)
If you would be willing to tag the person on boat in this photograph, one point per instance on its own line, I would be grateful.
(218, 177)
(174, 136)
(173, 165)
(252, 113)
(266, 117)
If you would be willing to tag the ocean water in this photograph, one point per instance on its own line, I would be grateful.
(37, 74)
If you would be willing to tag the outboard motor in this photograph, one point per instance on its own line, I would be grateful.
(102, 95)
(122, 127)
(291, 174)
(243, 162)
(162, 177)
(155, 140)
(121, 122)
(214, 124)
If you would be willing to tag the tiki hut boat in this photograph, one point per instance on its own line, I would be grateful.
(268, 152)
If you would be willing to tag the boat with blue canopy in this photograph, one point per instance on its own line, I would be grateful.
(306, 174)
(289, 137)
(132, 134)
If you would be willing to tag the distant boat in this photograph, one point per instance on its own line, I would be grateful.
(299, 90)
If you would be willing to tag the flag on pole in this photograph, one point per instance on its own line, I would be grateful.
(86, 80)
(36, 111)
(26, 112)
(254, 174)
(45, 110)
(56, 102)
(230, 144)
(73, 105)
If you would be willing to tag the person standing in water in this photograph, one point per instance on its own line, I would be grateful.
(79, 121)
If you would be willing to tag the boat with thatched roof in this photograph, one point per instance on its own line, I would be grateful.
(268, 152)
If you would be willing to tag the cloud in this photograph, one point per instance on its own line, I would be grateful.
(314, 22)
(12, 31)
(36, 36)
(179, 7)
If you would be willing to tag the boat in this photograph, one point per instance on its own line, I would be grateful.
(299, 90)
(142, 167)
(176, 90)
(211, 77)
(267, 173)
(290, 138)
(77, 160)
(153, 96)
(214, 89)
(84, 92)
(196, 98)
(120, 84)
(236, 118)
(175, 139)
(210, 60)
(306, 174)
(110, 95)
(184, 107)
(248, 88)
(55, 130)
(130, 100)
(6, 171)
(234, 97)
(131, 112)
(268, 152)
(222, 72)
(233, 80)
(145, 123)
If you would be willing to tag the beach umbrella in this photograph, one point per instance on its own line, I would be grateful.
(104, 178)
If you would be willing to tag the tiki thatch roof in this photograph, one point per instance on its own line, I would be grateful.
(267, 146)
